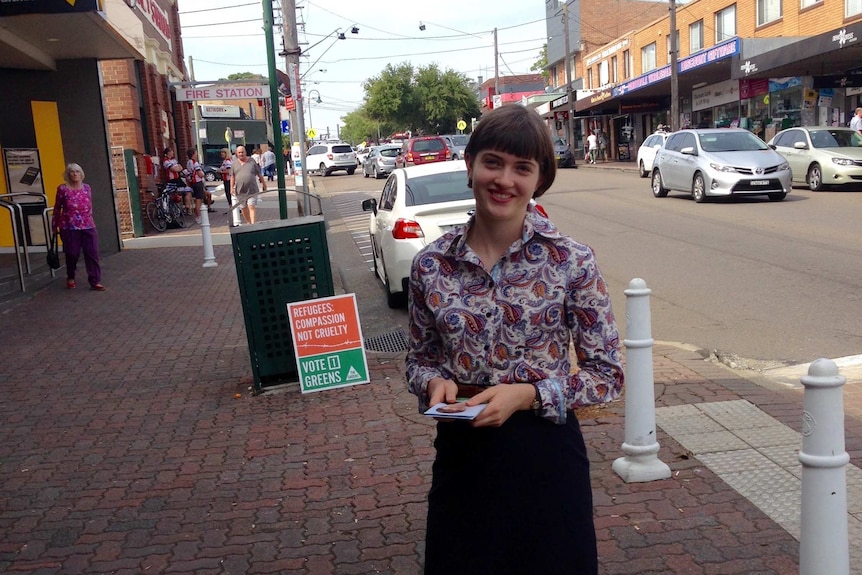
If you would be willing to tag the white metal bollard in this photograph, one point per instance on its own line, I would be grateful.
(235, 215)
(823, 544)
(206, 237)
(641, 462)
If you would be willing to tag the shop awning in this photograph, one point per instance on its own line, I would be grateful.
(825, 54)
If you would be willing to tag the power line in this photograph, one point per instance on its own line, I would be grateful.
(213, 9)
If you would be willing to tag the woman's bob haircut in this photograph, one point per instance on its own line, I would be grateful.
(72, 168)
(518, 131)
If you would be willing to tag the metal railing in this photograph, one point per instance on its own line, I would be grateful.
(16, 211)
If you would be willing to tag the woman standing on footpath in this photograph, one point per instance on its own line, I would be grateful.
(494, 308)
(224, 169)
(73, 220)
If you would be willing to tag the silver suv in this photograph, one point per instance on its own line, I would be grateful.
(330, 157)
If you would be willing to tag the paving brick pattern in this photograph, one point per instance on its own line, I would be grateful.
(130, 443)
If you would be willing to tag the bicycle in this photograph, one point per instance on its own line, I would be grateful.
(165, 208)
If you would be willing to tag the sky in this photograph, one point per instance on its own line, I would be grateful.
(223, 37)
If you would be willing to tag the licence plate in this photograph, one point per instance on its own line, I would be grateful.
(759, 182)
(429, 157)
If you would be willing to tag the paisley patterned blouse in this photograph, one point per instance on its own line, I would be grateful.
(515, 324)
(73, 209)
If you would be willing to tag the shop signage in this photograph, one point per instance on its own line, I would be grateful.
(156, 16)
(220, 111)
(642, 81)
(328, 343)
(715, 95)
(16, 7)
(753, 88)
(726, 49)
(223, 93)
(560, 102)
(849, 80)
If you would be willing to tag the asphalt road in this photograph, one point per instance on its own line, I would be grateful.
(774, 282)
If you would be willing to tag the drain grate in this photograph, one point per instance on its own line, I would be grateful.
(392, 341)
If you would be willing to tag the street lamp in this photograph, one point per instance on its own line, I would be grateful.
(318, 100)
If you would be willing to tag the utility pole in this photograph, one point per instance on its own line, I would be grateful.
(496, 70)
(197, 115)
(291, 56)
(569, 96)
(274, 108)
(674, 75)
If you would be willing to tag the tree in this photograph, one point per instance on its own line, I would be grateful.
(541, 64)
(245, 76)
(358, 127)
(424, 100)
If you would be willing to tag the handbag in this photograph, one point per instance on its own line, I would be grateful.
(53, 253)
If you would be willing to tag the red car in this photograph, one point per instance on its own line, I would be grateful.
(423, 150)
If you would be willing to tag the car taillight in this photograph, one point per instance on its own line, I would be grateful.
(448, 153)
(409, 156)
(406, 230)
(329, 156)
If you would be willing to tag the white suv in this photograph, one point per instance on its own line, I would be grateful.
(330, 157)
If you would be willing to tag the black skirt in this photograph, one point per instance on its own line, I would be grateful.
(511, 500)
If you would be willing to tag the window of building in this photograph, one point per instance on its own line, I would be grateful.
(768, 11)
(589, 79)
(807, 3)
(648, 58)
(725, 23)
(695, 37)
(852, 8)
(614, 71)
(604, 77)
(627, 65)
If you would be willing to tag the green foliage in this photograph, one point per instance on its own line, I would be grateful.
(424, 100)
(245, 76)
(541, 64)
(358, 128)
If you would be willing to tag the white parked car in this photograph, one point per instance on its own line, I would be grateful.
(330, 157)
(647, 152)
(418, 205)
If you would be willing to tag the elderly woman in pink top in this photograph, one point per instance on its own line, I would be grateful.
(73, 220)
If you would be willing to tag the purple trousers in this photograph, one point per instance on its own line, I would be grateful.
(76, 241)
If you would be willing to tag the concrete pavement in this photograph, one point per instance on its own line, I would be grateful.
(131, 443)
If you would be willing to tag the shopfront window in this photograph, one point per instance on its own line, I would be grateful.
(725, 24)
(727, 115)
(786, 107)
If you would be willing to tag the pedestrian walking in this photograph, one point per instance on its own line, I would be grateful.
(495, 308)
(196, 181)
(603, 146)
(592, 147)
(856, 121)
(224, 170)
(245, 173)
(268, 160)
(73, 220)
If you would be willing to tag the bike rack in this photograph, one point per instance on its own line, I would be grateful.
(49, 233)
(12, 207)
(16, 208)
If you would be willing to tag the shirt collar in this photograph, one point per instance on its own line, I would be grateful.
(534, 224)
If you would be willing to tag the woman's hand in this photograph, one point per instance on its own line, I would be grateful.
(503, 400)
(442, 391)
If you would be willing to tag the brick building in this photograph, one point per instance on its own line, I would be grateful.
(87, 82)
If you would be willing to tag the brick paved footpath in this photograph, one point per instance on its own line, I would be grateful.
(124, 448)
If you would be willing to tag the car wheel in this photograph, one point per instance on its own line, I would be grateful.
(658, 190)
(364, 172)
(642, 169)
(323, 170)
(698, 188)
(777, 197)
(210, 176)
(375, 173)
(351, 171)
(393, 300)
(815, 178)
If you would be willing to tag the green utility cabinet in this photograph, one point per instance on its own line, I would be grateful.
(278, 262)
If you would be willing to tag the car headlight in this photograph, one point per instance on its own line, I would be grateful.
(843, 161)
(782, 167)
(722, 168)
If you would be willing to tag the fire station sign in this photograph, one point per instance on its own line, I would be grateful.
(225, 92)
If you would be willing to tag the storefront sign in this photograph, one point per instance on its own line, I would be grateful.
(13, 8)
(156, 16)
(328, 342)
(642, 81)
(718, 52)
(226, 92)
(778, 84)
(220, 111)
(715, 95)
(753, 88)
